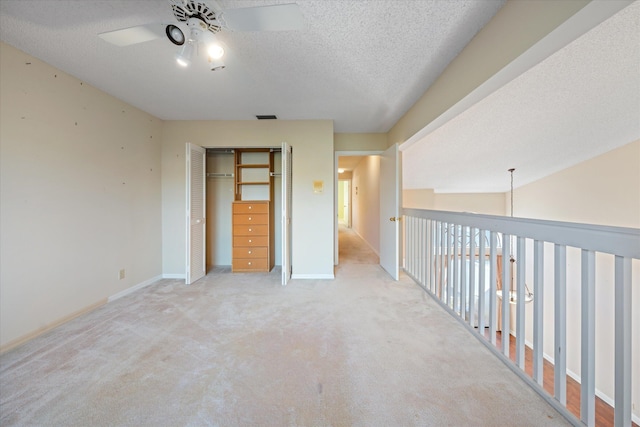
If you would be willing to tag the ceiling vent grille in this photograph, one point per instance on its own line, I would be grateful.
(266, 117)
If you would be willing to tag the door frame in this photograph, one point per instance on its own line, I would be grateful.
(336, 177)
(187, 187)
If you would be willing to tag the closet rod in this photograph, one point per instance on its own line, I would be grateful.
(219, 175)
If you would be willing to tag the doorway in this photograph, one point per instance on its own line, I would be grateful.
(375, 197)
(344, 202)
(210, 192)
(356, 202)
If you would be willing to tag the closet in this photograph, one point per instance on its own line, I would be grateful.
(243, 200)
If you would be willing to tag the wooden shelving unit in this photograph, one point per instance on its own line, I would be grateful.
(253, 168)
(253, 225)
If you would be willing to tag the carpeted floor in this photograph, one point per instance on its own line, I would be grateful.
(352, 249)
(240, 350)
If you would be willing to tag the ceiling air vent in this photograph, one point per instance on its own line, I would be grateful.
(267, 117)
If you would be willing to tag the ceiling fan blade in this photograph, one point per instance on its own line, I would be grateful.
(279, 17)
(133, 35)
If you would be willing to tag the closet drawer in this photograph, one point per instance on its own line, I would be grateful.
(243, 264)
(250, 219)
(247, 208)
(250, 230)
(250, 241)
(250, 252)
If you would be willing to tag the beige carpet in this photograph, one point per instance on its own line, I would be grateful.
(352, 249)
(240, 350)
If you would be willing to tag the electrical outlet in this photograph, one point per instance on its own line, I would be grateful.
(121, 274)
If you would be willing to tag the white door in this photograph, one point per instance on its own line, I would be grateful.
(286, 213)
(390, 205)
(196, 213)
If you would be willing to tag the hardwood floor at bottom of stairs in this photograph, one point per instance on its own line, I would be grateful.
(604, 411)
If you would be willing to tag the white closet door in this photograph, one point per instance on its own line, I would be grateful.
(286, 213)
(196, 213)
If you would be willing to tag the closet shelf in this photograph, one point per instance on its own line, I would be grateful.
(253, 183)
(219, 175)
(253, 166)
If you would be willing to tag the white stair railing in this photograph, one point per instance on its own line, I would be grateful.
(453, 256)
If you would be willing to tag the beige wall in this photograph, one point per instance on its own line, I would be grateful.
(312, 214)
(366, 201)
(604, 190)
(483, 203)
(360, 141)
(517, 26)
(80, 196)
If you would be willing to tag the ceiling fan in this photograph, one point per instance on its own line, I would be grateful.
(203, 19)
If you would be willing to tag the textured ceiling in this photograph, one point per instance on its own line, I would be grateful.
(580, 102)
(359, 63)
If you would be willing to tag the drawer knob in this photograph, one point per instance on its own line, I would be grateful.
(249, 218)
(250, 230)
(250, 207)
(249, 262)
(249, 251)
(250, 241)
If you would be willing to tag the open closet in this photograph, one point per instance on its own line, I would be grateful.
(244, 208)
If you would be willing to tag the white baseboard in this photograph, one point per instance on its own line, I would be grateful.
(174, 276)
(313, 276)
(368, 244)
(133, 288)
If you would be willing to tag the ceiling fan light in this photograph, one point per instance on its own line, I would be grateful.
(175, 34)
(183, 58)
(217, 64)
(215, 51)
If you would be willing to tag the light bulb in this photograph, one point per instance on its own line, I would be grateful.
(215, 51)
(183, 58)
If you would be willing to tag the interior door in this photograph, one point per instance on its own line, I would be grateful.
(196, 213)
(286, 213)
(390, 206)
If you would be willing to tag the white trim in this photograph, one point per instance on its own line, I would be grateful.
(133, 288)
(313, 276)
(174, 276)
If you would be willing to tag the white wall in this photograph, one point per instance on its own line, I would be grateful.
(341, 197)
(80, 196)
(312, 157)
(220, 195)
(365, 200)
